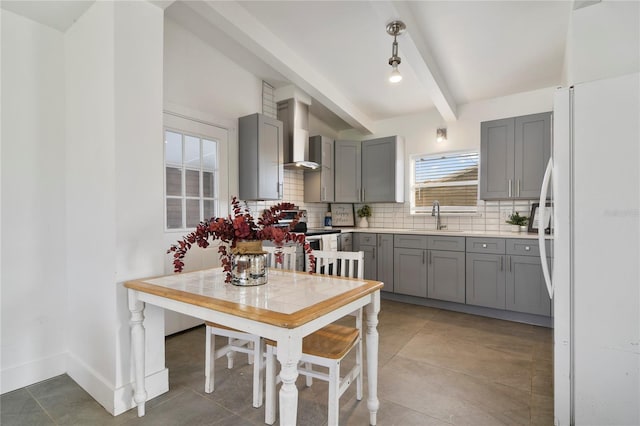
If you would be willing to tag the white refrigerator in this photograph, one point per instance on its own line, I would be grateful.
(596, 252)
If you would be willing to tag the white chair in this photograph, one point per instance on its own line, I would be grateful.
(242, 342)
(326, 347)
(288, 257)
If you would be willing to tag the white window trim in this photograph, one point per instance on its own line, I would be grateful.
(197, 128)
(444, 210)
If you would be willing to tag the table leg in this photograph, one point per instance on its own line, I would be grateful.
(137, 344)
(289, 354)
(372, 310)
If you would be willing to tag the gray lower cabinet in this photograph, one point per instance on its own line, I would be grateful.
(485, 280)
(378, 257)
(410, 271)
(260, 143)
(525, 287)
(384, 262)
(446, 275)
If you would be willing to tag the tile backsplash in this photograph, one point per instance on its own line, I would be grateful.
(491, 215)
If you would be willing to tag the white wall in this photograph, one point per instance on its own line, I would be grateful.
(33, 203)
(603, 41)
(114, 193)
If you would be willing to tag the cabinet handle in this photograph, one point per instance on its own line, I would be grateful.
(484, 246)
(527, 248)
(423, 257)
(363, 194)
(510, 263)
(324, 194)
(502, 263)
(430, 260)
(509, 188)
(518, 188)
(374, 252)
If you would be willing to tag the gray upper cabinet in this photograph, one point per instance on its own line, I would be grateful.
(261, 169)
(513, 155)
(383, 170)
(318, 184)
(348, 175)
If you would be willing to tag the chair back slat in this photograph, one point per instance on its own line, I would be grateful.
(340, 263)
(288, 257)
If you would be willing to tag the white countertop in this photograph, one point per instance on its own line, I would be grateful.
(451, 233)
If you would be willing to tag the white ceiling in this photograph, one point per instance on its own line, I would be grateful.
(453, 52)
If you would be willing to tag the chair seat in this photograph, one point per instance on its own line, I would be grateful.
(332, 341)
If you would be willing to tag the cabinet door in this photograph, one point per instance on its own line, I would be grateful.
(410, 272)
(446, 275)
(379, 170)
(327, 172)
(370, 268)
(318, 184)
(270, 159)
(496, 159)
(485, 280)
(532, 151)
(261, 171)
(526, 290)
(384, 262)
(347, 175)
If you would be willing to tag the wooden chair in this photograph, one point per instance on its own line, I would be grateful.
(242, 342)
(326, 347)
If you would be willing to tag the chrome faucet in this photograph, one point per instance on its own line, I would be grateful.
(435, 211)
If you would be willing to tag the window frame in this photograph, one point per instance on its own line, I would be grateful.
(203, 131)
(444, 210)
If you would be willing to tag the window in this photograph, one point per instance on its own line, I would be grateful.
(194, 183)
(450, 178)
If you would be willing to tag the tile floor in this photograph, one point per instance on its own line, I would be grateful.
(435, 368)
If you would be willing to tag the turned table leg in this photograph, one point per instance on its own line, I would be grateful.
(289, 354)
(372, 310)
(136, 308)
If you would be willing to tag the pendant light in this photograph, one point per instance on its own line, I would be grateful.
(395, 28)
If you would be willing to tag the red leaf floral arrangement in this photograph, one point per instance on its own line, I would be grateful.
(241, 227)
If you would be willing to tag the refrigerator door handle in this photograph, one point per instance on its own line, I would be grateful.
(546, 181)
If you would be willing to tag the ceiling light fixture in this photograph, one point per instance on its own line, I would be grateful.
(441, 135)
(395, 28)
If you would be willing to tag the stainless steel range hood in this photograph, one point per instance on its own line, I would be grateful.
(294, 115)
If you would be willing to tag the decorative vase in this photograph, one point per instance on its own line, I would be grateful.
(249, 264)
(515, 228)
(364, 223)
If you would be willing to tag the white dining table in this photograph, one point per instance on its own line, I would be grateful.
(290, 306)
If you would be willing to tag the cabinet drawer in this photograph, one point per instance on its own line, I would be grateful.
(367, 239)
(438, 242)
(526, 247)
(410, 241)
(485, 245)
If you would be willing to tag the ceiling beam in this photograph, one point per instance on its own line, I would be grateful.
(239, 24)
(416, 53)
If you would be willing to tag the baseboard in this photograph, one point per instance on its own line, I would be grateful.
(156, 384)
(539, 320)
(33, 372)
(115, 401)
